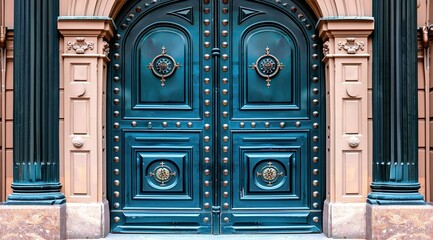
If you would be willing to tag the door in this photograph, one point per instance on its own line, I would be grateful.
(214, 118)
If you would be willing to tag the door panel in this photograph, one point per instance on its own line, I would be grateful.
(215, 113)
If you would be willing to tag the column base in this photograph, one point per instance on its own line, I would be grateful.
(399, 222)
(87, 220)
(33, 222)
(51, 198)
(344, 220)
(384, 198)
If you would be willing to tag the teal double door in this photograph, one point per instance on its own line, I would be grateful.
(214, 112)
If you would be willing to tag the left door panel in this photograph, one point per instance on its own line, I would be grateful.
(156, 144)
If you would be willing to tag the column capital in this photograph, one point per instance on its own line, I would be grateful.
(86, 26)
(340, 27)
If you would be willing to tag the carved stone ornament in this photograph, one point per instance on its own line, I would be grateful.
(351, 46)
(106, 48)
(326, 48)
(80, 46)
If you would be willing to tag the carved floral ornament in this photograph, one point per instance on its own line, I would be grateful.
(326, 48)
(80, 46)
(106, 48)
(351, 46)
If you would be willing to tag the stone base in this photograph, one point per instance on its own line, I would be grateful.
(399, 222)
(344, 220)
(87, 220)
(32, 222)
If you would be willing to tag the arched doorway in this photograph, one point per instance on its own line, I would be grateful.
(217, 115)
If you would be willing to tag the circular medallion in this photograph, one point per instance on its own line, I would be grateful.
(161, 174)
(163, 66)
(269, 174)
(267, 66)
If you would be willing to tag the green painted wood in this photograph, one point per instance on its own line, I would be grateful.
(36, 104)
(239, 153)
(395, 119)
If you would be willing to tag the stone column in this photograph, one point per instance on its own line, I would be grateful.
(346, 58)
(36, 201)
(396, 209)
(84, 74)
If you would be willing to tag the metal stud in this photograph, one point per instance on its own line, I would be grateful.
(315, 171)
(207, 114)
(116, 67)
(206, 91)
(225, 22)
(116, 159)
(225, 80)
(116, 183)
(116, 45)
(315, 148)
(314, 37)
(206, 57)
(116, 56)
(226, 219)
(206, 45)
(225, 183)
(315, 159)
(133, 123)
(116, 138)
(316, 219)
(206, 138)
(206, 68)
(225, 68)
(206, 160)
(315, 46)
(225, 114)
(298, 124)
(267, 124)
(225, 1)
(116, 113)
(116, 125)
(207, 80)
(116, 149)
(118, 36)
(241, 124)
(207, 149)
(206, 219)
(116, 194)
(293, 9)
(116, 101)
(116, 205)
(224, 33)
(207, 102)
(116, 90)
(225, 172)
(315, 79)
(315, 102)
(225, 91)
(206, 126)
(189, 124)
(225, 138)
(206, 10)
(164, 124)
(206, 33)
(225, 102)
(315, 56)
(206, 22)
(206, 194)
(225, 194)
(225, 57)
(116, 219)
(226, 205)
(206, 183)
(282, 125)
(225, 10)
(315, 139)
(225, 126)
(308, 26)
(206, 205)
(206, 1)
(116, 79)
(253, 124)
(206, 172)
(225, 160)
(315, 194)
(116, 171)
(225, 44)
(315, 183)
(315, 114)
(178, 124)
(315, 125)
(225, 149)
(315, 91)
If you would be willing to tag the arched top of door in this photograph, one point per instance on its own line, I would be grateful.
(321, 8)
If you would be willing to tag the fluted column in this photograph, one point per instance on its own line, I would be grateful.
(36, 104)
(395, 122)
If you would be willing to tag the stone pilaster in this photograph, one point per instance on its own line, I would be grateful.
(84, 61)
(346, 59)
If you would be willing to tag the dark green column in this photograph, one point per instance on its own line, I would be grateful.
(395, 116)
(36, 103)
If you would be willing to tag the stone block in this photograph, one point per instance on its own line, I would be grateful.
(400, 222)
(87, 220)
(32, 222)
(344, 220)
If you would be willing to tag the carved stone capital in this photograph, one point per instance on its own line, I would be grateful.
(351, 46)
(80, 46)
